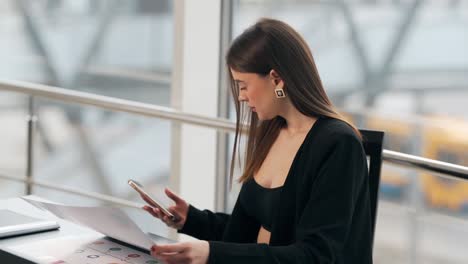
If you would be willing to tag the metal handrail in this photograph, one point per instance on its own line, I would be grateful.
(116, 104)
(441, 168)
(110, 103)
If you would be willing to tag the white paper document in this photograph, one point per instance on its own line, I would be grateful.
(109, 221)
(80, 249)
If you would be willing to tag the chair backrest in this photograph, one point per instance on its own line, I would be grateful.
(373, 146)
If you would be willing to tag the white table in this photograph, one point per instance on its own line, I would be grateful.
(71, 243)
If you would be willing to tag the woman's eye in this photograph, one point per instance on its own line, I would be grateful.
(242, 88)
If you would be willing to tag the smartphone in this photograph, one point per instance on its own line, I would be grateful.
(139, 188)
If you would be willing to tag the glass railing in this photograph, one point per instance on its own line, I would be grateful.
(407, 225)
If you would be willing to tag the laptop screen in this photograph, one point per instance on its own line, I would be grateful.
(12, 223)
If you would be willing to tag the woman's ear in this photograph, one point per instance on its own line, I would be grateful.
(276, 79)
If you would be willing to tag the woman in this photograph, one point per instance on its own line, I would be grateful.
(304, 195)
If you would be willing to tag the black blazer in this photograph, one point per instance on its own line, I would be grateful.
(324, 211)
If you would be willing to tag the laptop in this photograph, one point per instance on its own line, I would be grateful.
(14, 224)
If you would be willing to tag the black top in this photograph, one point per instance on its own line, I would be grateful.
(259, 202)
(323, 215)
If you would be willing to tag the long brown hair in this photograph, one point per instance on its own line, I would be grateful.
(272, 44)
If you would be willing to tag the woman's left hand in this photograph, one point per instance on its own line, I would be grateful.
(191, 252)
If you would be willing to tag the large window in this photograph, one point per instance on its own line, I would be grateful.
(114, 48)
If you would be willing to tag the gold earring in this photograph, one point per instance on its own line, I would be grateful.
(279, 92)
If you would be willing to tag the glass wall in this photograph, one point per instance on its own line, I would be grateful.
(117, 48)
(13, 115)
(109, 47)
(98, 150)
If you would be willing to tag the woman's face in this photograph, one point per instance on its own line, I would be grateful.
(258, 92)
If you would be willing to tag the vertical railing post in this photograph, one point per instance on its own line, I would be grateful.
(416, 196)
(31, 119)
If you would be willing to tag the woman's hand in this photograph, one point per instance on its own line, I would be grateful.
(192, 252)
(179, 210)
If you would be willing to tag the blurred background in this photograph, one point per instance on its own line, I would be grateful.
(400, 66)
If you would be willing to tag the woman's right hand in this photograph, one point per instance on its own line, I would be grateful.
(179, 210)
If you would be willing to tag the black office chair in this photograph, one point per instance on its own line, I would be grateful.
(373, 146)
